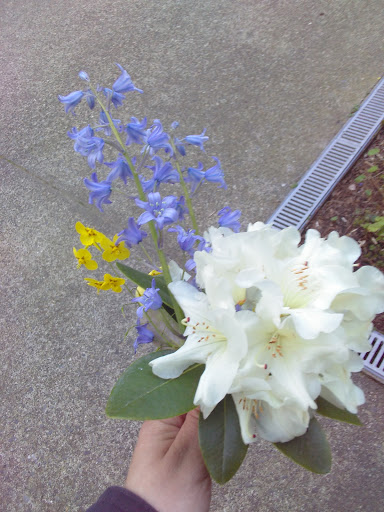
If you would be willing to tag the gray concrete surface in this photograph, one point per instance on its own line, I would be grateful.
(272, 81)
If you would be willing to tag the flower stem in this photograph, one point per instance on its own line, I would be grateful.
(186, 193)
(146, 254)
(170, 344)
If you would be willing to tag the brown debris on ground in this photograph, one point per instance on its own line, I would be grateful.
(357, 200)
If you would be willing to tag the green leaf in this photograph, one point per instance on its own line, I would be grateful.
(145, 281)
(368, 192)
(141, 395)
(329, 410)
(221, 442)
(310, 450)
(374, 168)
(360, 178)
(373, 151)
(376, 226)
(333, 219)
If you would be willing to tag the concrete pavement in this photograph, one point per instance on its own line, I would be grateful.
(273, 82)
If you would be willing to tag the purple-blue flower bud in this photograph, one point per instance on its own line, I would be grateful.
(71, 100)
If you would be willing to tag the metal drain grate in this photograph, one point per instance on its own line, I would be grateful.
(317, 183)
(333, 163)
(374, 359)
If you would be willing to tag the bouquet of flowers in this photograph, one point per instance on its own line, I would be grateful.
(259, 332)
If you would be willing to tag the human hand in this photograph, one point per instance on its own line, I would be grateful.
(167, 468)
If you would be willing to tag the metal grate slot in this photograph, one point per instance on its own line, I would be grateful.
(366, 124)
(324, 172)
(314, 187)
(374, 113)
(327, 169)
(332, 161)
(366, 116)
(374, 359)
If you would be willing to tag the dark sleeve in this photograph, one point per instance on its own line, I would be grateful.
(118, 499)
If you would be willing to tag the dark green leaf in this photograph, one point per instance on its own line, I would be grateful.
(329, 410)
(141, 395)
(310, 450)
(221, 442)
(145, 281)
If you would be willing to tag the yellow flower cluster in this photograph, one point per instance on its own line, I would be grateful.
(110, 252)
(109, 283)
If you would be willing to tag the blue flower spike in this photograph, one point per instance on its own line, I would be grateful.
(136, 131)
(132, 235)
(215, 174)
(119, 169)
(115, 97)
(229, 219)
(162, 211)
(186, 239)
(197, 140)
(99, 191)
(162, 173)
(144, 335)
(124, 82)
(195, 175)
(88, 145)
(149, 300)
(84, 76)
(71, 100)
(157, 139)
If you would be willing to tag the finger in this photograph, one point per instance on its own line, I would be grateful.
(186, 444)
(156, 436)
(189, 432)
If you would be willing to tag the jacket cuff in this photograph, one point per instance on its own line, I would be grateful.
(119, 499)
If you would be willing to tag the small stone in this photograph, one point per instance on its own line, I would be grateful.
(352, 187)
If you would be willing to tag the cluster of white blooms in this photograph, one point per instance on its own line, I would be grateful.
(277, 325)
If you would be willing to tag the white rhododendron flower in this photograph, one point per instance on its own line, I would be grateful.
(216, 336)
(277, 325)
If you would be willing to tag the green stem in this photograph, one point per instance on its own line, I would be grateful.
(159, 332)
(186, 193)
(165, 317)
(146, 254)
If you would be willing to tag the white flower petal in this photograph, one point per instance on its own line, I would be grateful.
(338, 387)
(309, 322)
(177, 273)
(172, 365)
(282, 424)
(365, 300)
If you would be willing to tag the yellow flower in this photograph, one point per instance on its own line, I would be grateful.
(84, 257)
(112, 251)
(94, 283)
(139, 289)
(109, 283)
(88, 236)
(112, 283)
